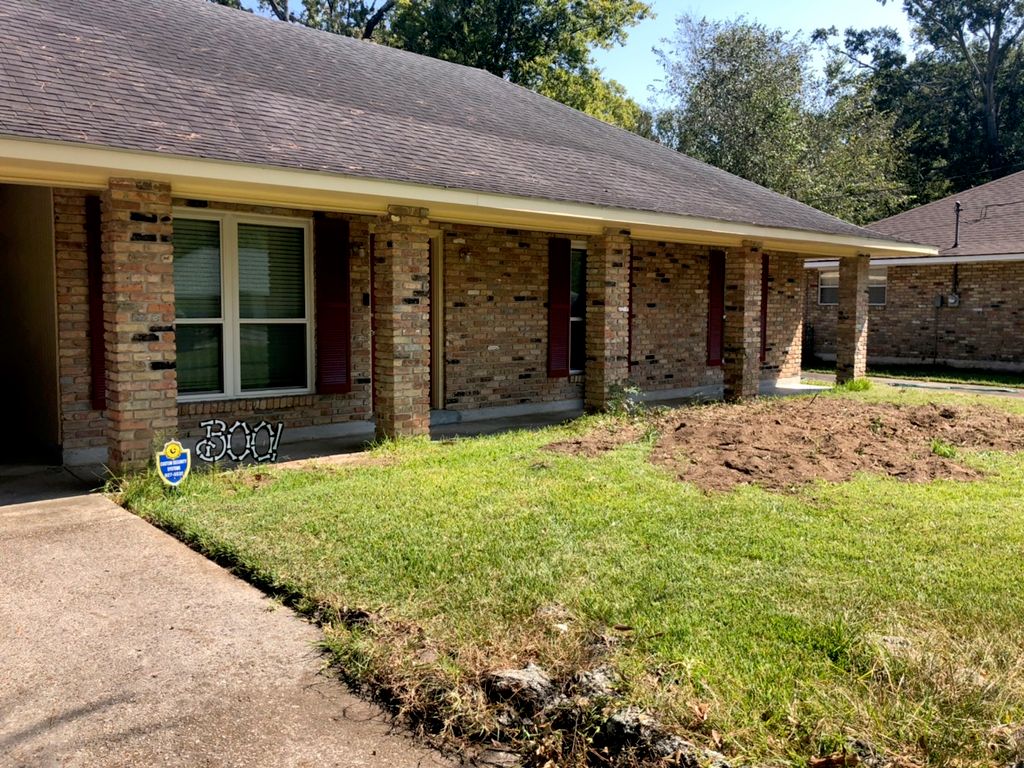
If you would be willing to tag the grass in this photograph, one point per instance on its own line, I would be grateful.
(937, 373)
(774, 627)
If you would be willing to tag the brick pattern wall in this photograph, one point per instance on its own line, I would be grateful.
(607, 323)
(303, 411)
(852, 318)
(785, 317)
(670, 317)
(496, 319)
(401, 289)
(138, 287)
(741, 347)
(81, 426)
(987, 327)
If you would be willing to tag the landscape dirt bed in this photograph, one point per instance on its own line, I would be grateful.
(784, 444)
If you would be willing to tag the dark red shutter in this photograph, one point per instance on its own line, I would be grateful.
(716, 307)
(94, 276)
(333, 306)
(559, 287)
(764, 307)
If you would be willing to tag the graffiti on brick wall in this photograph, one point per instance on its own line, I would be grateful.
(239, 442)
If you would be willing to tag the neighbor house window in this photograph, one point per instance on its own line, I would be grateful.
(828, 286)
(242, 301)
(877, 286)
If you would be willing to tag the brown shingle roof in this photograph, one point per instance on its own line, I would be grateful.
(187, 77)
(991, 222)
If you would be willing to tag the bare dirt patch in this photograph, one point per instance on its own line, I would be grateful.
(782, 444)
(603, 439)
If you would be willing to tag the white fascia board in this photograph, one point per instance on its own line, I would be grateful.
(82, 165)
(984, 258)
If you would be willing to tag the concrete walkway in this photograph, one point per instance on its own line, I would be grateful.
(938, 386)
(119, 646)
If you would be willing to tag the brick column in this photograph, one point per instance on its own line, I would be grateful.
(607, 322)
(138, 315)
(401, 315)
(852, 318)
(741, 343)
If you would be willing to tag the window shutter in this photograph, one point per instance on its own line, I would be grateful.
(764, 307)
(333, 306)
(559, 272)
(94, 277)
(716, 307)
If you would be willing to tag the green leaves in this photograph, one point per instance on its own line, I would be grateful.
(745, 98)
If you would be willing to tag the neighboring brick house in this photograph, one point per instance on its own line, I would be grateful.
(207, 214)
(963, 307)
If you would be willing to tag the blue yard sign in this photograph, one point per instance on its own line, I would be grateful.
(173, 463)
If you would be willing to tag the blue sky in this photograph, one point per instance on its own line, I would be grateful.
(637, 68)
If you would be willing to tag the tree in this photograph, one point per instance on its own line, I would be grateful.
(737, 88)
(985, 36)
(544, 45)
(744, 98)
(959, 102)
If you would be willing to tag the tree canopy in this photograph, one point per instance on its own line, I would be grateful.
(959, 101)
(745, 98)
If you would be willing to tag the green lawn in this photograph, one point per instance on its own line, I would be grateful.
(938, 373)
(759, 623)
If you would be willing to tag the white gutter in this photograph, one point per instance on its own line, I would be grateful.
(929, 261)
(67, 164)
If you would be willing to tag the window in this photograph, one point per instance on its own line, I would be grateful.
(877, 285)
(828, 286)
(242, 299)
(577, 308)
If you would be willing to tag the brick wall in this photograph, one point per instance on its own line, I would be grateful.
(785, 316)
(81, 426)
(302, 411)
(401, 322)
(987, 327)
(138, 315)
(496, 319)
(670, 317)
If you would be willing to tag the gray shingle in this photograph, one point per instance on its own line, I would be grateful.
(991, 222)
(190, 78)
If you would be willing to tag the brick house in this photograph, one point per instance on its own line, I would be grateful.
(963, 307)
(206, 214)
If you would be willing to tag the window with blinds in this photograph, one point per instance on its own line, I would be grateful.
(828, 286)
(242, 305)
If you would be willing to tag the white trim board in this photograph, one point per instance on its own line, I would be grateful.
(928, 261)
(69, 164)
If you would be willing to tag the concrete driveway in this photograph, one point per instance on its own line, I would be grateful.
(119, 646)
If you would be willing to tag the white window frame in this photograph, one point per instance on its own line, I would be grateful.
(229, 318)
(578, 245)
(834, 274)
(875, 272)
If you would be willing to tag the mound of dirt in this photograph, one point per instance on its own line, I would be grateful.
(780, 444)
(783, 444)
